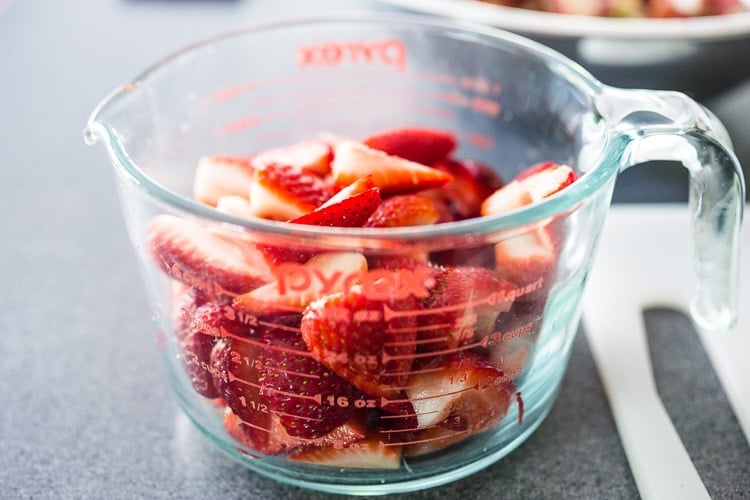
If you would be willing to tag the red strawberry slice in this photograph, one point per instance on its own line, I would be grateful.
(277, 440)
(282, 192)
(464, 305)
(297, 387)
(404, 210)
(472, 183)
(432, 439)
(464, 386)
(531, 185)
(422, 145)
(370, 453)
(545, 179)
(391, 174)
(349, 212)
(297, 285)
(235, 369)
(369, 342)
(195, 256)
(311, 156)
(221, 175)
(527, 259)
(198, 327)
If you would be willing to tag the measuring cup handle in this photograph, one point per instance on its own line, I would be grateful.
(671, 126)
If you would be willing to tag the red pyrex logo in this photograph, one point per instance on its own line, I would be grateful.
(389, 52)
(378, 284)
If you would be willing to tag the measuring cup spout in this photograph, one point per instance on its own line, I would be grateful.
(670, 126)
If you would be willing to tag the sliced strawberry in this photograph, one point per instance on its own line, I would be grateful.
(369, 453)
(200, 327)
(195, 256)
(221, 175)
(509, 197)
(312, 156)
(234, 205)
(297, 285)
(369, 342)
(463, 385)
(432, 439)
(472, 183)
(531, 185)
(236, 373)
(422, 145)
(527, 259)
(391, 174)
(404, 210)
(545, 179)
(398, 421)
(281, 192)
(473, 255)
(349, 212)
(276, 440)
(464, 304)
(357, 187)
(297, 387)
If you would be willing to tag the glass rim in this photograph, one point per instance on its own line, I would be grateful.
(561, 202)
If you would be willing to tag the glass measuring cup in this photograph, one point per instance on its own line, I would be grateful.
(331, 366)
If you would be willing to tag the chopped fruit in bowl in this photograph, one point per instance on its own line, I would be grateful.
(351, 357)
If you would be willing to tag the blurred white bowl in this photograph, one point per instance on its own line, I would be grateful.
(702, 56)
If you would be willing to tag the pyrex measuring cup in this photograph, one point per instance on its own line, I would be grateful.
(375, 382)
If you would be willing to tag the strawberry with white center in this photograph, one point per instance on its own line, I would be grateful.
(367, 341)
(465, 387)
(194, 255)
(391, 174)
(370, 453)
(221, 175)
(297, 285)
(527, 258)
(282, 192)
(404, 210)
(464, 304)
(311, 156)
(531, 185)
(422, 145)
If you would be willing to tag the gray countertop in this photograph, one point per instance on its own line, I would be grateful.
(86, 410)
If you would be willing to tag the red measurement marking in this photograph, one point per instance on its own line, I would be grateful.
(233, 378)
(389, 357)
(412, 329)
(244, 422)
(385, 401)
(407, 415)
(241, 124)
(406, 430)
(416, 342)
(428, 440)
(290, 372)
(281, 413)
(391, 314)
(413, 372)
(280, 327)
(481, 141)
(318, 398)
(225, 333)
